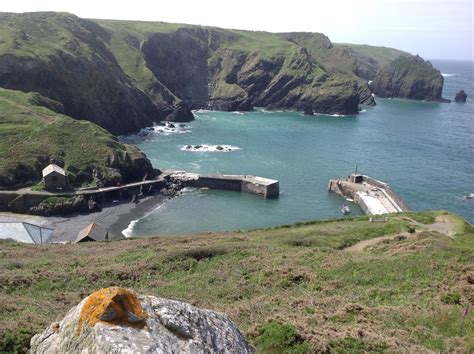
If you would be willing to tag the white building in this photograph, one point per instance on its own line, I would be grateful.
(24, 232)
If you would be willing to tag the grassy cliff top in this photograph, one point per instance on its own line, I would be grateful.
(342, 285)
(415, 66)
(380, 54)
(31, 135)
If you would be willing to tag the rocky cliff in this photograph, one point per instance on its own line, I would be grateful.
(117, 320)
(126, 75)
(409, 77)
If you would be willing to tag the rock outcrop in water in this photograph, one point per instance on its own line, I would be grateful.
(409, 77)
(461, 96)
(117, 320)
(125, 75)
(180, 114)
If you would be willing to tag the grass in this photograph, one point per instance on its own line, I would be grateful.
(381, 54)
(30, 136)
(293, 285)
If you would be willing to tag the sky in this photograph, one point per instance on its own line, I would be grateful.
(434, 29)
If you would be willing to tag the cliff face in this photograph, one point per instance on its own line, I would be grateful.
(67, 59)
(409, 77)
(126, 75)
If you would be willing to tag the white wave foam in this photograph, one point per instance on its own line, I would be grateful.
(330, 115)
(448, 75)
(210, 148)
(238, 112)
(128, 232)
(170, 128)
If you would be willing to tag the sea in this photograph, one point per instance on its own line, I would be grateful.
(424, 150)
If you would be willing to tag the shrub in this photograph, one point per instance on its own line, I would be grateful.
(277, 337)
(15, 342)
(451, 298)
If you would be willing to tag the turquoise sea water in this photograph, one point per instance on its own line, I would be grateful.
(425, 151)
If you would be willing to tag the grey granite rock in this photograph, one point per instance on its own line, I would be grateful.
(171, 327)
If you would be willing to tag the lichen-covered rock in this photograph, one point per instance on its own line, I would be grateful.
(117, 320)
(461, 96)
(409, 77)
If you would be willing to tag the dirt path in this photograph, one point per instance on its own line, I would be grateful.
(443, 224)
(362, 245)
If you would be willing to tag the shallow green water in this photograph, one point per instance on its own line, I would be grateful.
(425, 151)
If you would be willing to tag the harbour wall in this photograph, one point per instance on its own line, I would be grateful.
(373, 196)
(265, 187)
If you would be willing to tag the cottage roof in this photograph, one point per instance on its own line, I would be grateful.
(24, 232)
(53, 168)
(93, 231)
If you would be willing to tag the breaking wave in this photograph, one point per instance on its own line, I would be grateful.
(210, 148)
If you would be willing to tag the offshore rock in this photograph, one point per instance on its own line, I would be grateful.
(461, 96)
(409, 77)
(180, 114)
(118, 320)
(308, 111)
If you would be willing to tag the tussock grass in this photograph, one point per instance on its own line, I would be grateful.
(394, 296)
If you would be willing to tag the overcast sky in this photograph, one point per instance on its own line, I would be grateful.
(431, 28)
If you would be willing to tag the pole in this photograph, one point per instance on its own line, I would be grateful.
(41, 235)
(356, 170)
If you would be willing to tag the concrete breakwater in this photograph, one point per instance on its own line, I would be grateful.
(265, 187)
(373, 196)
(22, 201)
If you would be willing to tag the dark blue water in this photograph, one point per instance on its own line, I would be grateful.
(425, 151)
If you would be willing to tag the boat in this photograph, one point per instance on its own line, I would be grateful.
(345, 209)
(469, 196)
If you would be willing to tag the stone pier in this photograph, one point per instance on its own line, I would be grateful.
(373, 196)
(265, 187)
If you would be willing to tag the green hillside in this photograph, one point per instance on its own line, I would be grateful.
(310, 286)
(31, 136)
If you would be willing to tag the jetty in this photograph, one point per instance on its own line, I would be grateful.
(373, 196)
(265, 187)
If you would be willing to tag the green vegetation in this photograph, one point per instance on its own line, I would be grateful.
(353, 345)
(276, 337)
(380, 54)
(30, 136)
(15, 342)
(294, 288)
(56, 200)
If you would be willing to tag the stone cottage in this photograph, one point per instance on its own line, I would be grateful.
(54, 178)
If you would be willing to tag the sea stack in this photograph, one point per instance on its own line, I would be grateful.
(461, 96)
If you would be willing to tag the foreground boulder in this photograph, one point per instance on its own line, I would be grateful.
(119, 320)
(461, 96)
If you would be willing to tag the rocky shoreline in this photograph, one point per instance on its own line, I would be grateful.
(115, 216)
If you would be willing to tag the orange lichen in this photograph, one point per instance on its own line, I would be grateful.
(113, 305)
